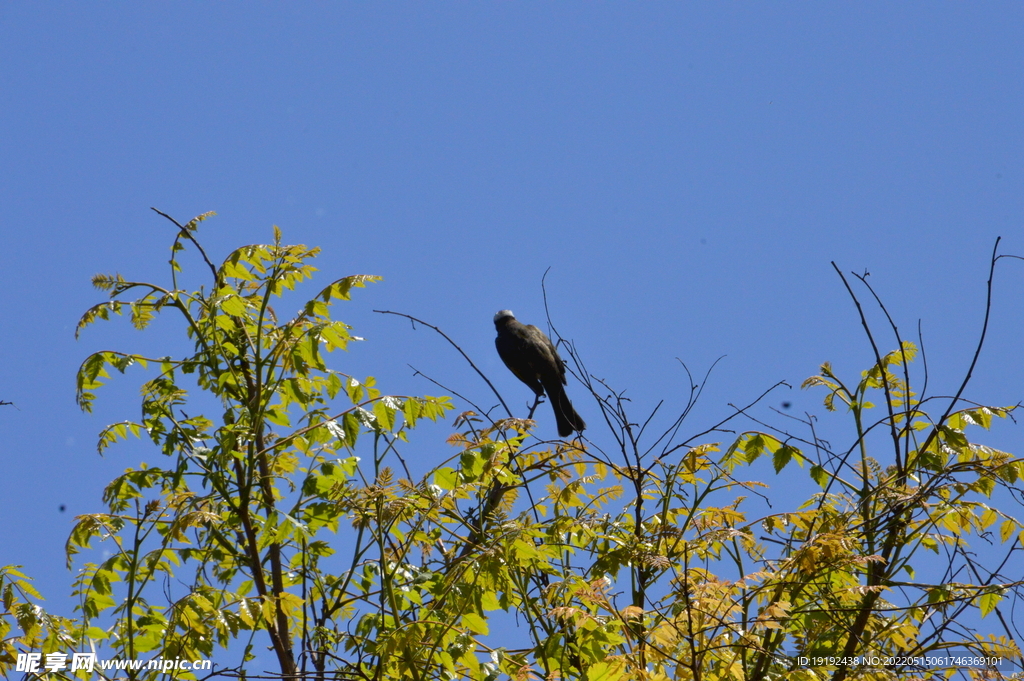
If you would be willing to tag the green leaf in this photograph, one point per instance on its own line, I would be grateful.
(279, 417)
(355, 389)
(472, 464)
(819, 475)
(384, 410)
(781, 457)
(446, 478)
(231, 268)
(233, 305)
(350, 424)
(475, 623)
(987, 602)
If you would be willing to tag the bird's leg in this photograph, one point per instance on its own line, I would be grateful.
(536, 401)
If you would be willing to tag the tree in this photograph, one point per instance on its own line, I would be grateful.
(287, 519)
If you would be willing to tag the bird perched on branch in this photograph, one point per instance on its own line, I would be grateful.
(532, 357)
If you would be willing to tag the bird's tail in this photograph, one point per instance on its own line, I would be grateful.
(565, 416)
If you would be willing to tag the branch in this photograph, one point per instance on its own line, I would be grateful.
(878, 362)
(977, 350)
(188, 235)
(456, 346)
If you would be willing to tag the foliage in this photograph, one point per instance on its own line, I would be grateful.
(285, 520)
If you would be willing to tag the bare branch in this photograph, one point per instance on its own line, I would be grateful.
(184, 232)
(456, 346)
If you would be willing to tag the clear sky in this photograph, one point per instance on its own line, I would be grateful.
(686, 170)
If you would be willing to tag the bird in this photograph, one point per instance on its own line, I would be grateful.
(531, 356)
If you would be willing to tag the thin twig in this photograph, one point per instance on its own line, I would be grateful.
(185, 232)
(907, 411)
(456, 346)
(878, 362)
(417, 372)
(977, 350)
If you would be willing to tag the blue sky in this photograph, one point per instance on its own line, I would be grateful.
(687, 170)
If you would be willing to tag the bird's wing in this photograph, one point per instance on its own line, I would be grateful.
(519, 355)
(549, 351)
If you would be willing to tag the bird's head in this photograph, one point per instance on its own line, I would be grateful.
(502, 314)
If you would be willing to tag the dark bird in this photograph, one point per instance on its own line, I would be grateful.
(531, 356)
